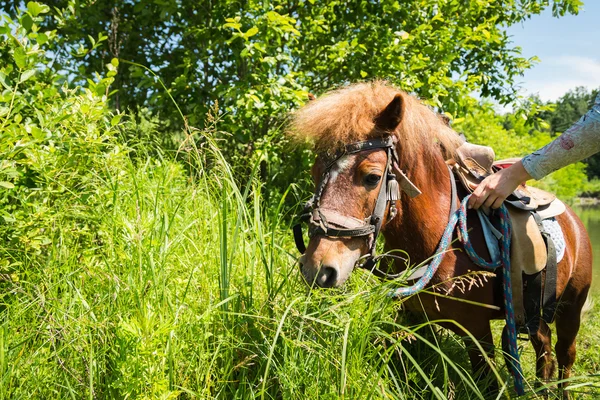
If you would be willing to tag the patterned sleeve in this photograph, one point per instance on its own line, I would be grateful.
(578, 142)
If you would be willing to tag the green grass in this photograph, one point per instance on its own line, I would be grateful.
(129, 274)
(190, 289)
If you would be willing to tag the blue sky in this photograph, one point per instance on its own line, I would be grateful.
(568, 47)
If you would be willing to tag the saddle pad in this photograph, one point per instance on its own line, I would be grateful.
(552, 227)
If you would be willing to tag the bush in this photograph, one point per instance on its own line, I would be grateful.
(57, 142)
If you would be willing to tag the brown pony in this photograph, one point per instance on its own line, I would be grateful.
(424, 144)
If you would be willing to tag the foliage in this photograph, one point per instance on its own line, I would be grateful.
(126, 272)
(55, 140)
(568, 109)
(269, 51)
(256, 60)
(126, 275)
(189, 294)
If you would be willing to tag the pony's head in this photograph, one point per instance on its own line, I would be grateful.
(366, 135)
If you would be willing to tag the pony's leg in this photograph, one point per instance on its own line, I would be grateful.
(568, 320)
(542, 343)
(481, 367)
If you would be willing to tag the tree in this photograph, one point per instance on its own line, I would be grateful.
(569, 108)
(256, 60)
(209, 51)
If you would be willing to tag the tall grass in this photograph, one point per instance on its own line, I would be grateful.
(190, 289)
(171, 277)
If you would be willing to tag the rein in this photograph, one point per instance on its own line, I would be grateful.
(459, 217)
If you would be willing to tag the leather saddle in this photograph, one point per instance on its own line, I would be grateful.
(532, 249)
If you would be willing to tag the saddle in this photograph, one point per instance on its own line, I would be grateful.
(533, 252)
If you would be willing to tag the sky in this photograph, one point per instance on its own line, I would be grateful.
(568, 47)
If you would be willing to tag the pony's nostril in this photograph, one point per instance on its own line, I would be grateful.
(327, 276)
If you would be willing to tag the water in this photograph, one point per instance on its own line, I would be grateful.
(590, 215)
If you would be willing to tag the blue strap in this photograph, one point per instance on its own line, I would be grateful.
(460, 217)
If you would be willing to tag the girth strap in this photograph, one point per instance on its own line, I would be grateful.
(549, 300)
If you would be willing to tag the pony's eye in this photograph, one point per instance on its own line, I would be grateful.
(372, 179)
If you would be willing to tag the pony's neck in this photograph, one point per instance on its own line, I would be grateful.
(420, 222)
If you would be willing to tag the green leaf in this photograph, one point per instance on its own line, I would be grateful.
(363, 74)
(37, 133)
(7, 185)
(116, 119)
(233, 25)
(26, 75)
(42, 38)
(115, 62)
(36, 8)
(251, 32)
(20, 57)
(3, 81)
(26, 22)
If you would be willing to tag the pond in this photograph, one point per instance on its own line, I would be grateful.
(590, 215)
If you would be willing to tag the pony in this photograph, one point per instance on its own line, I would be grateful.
(423, 144)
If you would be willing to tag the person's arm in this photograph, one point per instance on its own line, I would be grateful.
(580, 141)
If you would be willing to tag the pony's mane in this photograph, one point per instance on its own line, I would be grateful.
(347, 115)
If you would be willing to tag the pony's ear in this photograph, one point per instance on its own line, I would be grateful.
(391, 116)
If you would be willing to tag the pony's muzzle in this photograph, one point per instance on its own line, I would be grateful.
(327, 276)
(328, 262)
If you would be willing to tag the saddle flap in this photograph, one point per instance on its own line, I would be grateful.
(528, 249)
(527, 252)
(527, 255)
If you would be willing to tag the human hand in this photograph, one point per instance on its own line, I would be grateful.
(494, 189)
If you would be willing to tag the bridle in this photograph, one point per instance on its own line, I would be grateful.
(332, 224)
